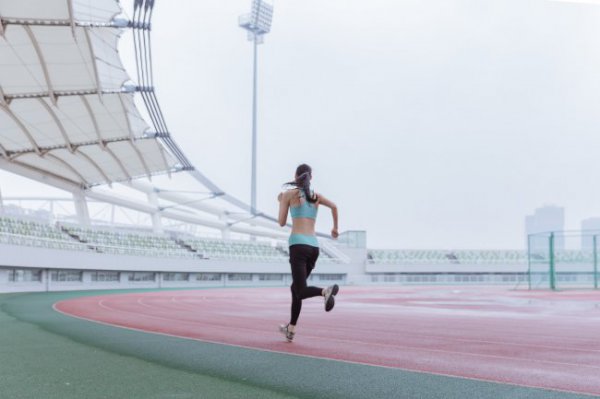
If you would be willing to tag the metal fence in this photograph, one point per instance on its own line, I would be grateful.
(563, 259)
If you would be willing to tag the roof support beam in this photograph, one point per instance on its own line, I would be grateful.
(96, 166)
(132, 142)
(81, 207)
(36, 174)
(3, 100)
(43, 150)
(94, 121)
(128, 181)
(175, 215)
(117, 23)
(68, 166)
(23, 128)
(38, 51)
(2, 29)
(3, 151)
(94, 63)
(58, 94)
(142, 160)
(71, 17)
(164, 158)
(59, 124)
(126, 116)
(118, 161)
(186, 201)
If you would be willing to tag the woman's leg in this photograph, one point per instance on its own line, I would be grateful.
(312, 261)
(296, 306)
(302, 260)
(330, 292)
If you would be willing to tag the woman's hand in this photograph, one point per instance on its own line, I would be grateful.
(334, 233)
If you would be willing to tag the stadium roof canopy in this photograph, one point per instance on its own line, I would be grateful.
(68, 116)
(65, 108)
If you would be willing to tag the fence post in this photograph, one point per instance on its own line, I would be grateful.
(595, 262)
(529, 260)
(552, 277)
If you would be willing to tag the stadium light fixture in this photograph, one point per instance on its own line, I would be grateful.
(257, 24)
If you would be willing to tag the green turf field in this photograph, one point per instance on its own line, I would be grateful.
(45, 354)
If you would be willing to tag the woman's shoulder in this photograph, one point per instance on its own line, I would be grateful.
(290, 193)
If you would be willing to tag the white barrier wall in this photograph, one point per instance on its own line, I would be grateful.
(42, 269)
(445, 268)
(20, 256)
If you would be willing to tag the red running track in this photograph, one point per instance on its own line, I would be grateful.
(537, 339)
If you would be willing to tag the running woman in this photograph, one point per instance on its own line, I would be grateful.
(303, 204)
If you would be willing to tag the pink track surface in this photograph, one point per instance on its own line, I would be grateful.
(538, 339)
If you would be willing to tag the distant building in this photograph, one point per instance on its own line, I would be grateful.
(592, 225)
(547, 219)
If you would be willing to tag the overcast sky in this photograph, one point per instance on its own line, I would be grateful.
(432, 124)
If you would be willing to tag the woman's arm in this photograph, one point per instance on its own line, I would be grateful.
(334, 213)
(284, 204)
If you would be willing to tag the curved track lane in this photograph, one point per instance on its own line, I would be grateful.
(534, 339)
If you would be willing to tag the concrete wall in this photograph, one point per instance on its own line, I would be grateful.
(46, 260)
(20, 256)
(455, 268)
(358, 271)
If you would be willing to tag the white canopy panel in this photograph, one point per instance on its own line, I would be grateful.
(91, 165)
(59, 10)
(63, 107)
(32, 123)
(55, 59)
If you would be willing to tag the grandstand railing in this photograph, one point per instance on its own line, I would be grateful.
(49, 243)
(447, 257)
(41, 242)
(137, 242)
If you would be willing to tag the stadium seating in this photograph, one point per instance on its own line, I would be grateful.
(20, 231)
(566, 256)
(433, 257)
(237, 250)
(29, 233)
(324, 257)
(16, 231)
(128, 243)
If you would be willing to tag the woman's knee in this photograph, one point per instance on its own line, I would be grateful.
(294, 291)
(300, 292)
(297, 290)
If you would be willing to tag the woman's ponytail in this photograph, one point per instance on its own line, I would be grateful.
(302, 182)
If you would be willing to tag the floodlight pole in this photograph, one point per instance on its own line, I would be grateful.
(254, 109)
(257, 24)
(595, 241)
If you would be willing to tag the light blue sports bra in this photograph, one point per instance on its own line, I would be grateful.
(304, 210)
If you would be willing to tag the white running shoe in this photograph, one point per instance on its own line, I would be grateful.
(330, 293)
(289, 335)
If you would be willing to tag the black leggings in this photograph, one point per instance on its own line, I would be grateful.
(302, 260)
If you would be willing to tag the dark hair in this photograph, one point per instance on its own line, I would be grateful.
(302, 182)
